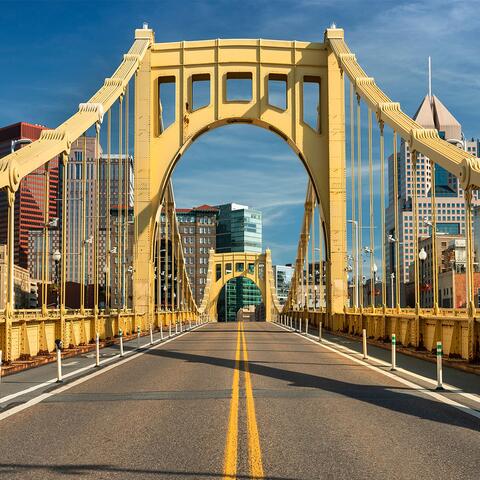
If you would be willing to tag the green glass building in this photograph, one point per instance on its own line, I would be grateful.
(239, 229)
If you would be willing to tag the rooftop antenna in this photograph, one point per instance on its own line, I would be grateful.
(333, 25)
(145, 26)
(430, 78)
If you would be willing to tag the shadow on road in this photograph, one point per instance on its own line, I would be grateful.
(91, 469)
(399, 399)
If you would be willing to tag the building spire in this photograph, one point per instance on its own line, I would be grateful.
(430, 78)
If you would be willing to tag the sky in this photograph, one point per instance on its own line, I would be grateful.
(55, 54)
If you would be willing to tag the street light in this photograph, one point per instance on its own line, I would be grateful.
(56, 258)
(422, 255)
(374, 293)
(357, 250)
(392, 279)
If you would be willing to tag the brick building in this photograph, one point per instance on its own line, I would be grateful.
(30, 197)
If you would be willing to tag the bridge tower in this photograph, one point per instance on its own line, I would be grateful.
(159, 147)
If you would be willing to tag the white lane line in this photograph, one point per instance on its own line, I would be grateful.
(84, 369)
(69, 364)
(414, 386)
(448, 388)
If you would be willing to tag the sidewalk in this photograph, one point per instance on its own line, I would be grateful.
(22, 386)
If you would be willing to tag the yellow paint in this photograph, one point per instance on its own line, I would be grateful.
(261, 274)
(254, 451)
(230, 466)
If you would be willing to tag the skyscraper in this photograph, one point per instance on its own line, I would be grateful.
(239, 230)
(30, 197)
(449, 200)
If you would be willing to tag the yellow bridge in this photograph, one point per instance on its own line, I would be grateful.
(319, 289)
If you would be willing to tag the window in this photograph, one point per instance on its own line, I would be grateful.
(228, 269)
(277, 90)
(239, 267)
(218, 271)
(200, 91)
(311, 102)
(239, 87)
(166, 102)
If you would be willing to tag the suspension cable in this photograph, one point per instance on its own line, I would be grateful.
(396, 227)
(414, 158)
(372, 234)
(382, 212)
(359, 202)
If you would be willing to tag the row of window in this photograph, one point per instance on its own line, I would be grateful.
(238, 88)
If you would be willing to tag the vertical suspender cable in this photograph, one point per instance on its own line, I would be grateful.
(108, 237)
(372, 234)
(119, 288)
(96, 213)
(414, 158)
(382, 212)
(84, 223)
(165, 289)
(65, 184)
(396, 213)
(434, 238)
(469, 244)
(320, 256)
(126, 191)
(352, 176)
(314, 268)
(45, 254)
(359, 182)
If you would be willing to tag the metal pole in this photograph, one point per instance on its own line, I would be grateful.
(151, 334)
(364, 341)
(97, 350)
(439, 366)
(394, 352)
(59, 365)
(320, 332)
(120, 333)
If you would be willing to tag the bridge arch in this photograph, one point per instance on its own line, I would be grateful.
(320, 147)
(224, 267)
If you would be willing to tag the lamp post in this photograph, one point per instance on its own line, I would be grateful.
(357, 253)
(374, 293)
(422, 255)
(56, 258)
(392, 280)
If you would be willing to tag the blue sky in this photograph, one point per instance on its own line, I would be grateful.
(55, 54)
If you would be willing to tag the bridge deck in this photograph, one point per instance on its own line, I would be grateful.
(166, 414)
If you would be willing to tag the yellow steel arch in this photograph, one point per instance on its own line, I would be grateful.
(224, 267)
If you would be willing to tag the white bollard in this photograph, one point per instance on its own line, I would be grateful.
(189, 324)
(181, 326)
(97, 350)
(291, 324)
(161, 332)
(306, 327)
(169, 329)
(120, 334)
(300, 326)
(176, 328)
(151, 334)
(138, 337)
(439, 366)
(320, 332)
(394, 352)
(59, 365)
(364, 334)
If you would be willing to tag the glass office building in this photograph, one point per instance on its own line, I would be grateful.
(239, 229)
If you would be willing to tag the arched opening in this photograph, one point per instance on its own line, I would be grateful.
(240, 299)
(245, 166)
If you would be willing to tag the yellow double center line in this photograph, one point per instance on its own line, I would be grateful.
(231, 448)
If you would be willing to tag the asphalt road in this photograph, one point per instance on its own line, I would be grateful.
(250, 400)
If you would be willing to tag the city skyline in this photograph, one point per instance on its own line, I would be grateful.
(99, 50)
